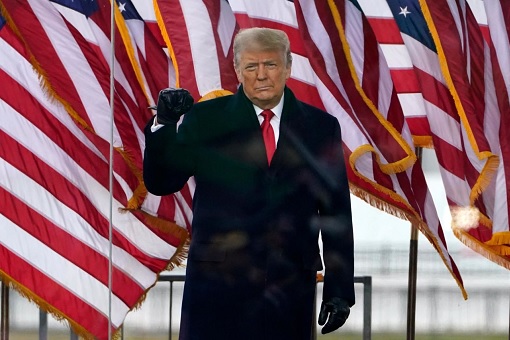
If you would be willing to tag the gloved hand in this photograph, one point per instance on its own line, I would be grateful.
(338, 311)
(172, 104)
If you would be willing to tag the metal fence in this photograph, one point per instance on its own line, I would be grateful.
(440, 308)
(366, 281)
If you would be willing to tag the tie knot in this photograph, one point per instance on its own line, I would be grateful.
(267, 114)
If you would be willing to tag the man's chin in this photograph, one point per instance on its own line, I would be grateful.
(265, 103)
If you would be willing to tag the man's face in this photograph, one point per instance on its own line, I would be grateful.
(263, 75)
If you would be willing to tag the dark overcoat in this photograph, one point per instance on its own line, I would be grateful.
(254, 250)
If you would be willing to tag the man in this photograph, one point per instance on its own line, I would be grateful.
(254, 252)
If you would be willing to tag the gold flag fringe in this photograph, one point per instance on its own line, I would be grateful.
(494, 253)
(489, 170)
(411, 215)
(390, 168)
(175, 261)
(485, 221)
(46, 307)
(137, 199)
(423, 141)
(501, 242)
(167, 226)
(503, 250)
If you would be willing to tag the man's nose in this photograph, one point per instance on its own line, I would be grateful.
(261, 71)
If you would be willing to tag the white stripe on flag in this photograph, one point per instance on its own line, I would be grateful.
(200, 31)
(277, 11)
(396, 56)
(376, 11)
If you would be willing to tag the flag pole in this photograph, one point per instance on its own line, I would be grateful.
(5, 312)
(413, 269)
(411, 291)
(110, 179)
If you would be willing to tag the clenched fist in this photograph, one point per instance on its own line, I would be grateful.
(172, 104)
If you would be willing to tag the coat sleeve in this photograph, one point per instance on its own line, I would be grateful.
(336, 222)
(168, 159)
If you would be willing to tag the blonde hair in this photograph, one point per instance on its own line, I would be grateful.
(264, 39)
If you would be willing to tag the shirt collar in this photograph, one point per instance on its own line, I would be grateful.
(277, 110)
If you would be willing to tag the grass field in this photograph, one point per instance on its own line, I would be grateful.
(336, 336)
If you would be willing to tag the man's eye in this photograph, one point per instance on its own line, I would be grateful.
(250, 68)
(271, 66)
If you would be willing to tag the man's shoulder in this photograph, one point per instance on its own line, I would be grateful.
(311, 108)
(306, 108)
(203, 112)
(315, 113)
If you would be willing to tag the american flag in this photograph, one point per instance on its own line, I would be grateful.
(391, 19)
(149, 59)
(469, 174)
(413, 57)
(199, 35)
(377, 141)
(468, 52)
(54, 169)
(362, 72)
(384, 18)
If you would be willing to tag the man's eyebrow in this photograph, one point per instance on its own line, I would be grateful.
(262, 62)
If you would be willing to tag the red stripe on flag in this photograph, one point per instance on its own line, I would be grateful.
(386, 30)
(156, 32)
(296, 43)
(405, 81)
(305, 92)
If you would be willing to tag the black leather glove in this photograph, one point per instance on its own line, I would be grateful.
(172, 104)
(335, 311)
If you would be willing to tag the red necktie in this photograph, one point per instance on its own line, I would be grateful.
(268, 134)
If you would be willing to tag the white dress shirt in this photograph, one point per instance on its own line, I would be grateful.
(275, 120)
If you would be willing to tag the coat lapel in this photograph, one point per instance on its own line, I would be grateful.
(242, 118)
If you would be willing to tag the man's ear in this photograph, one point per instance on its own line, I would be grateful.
(288, 72)
(238, 74)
